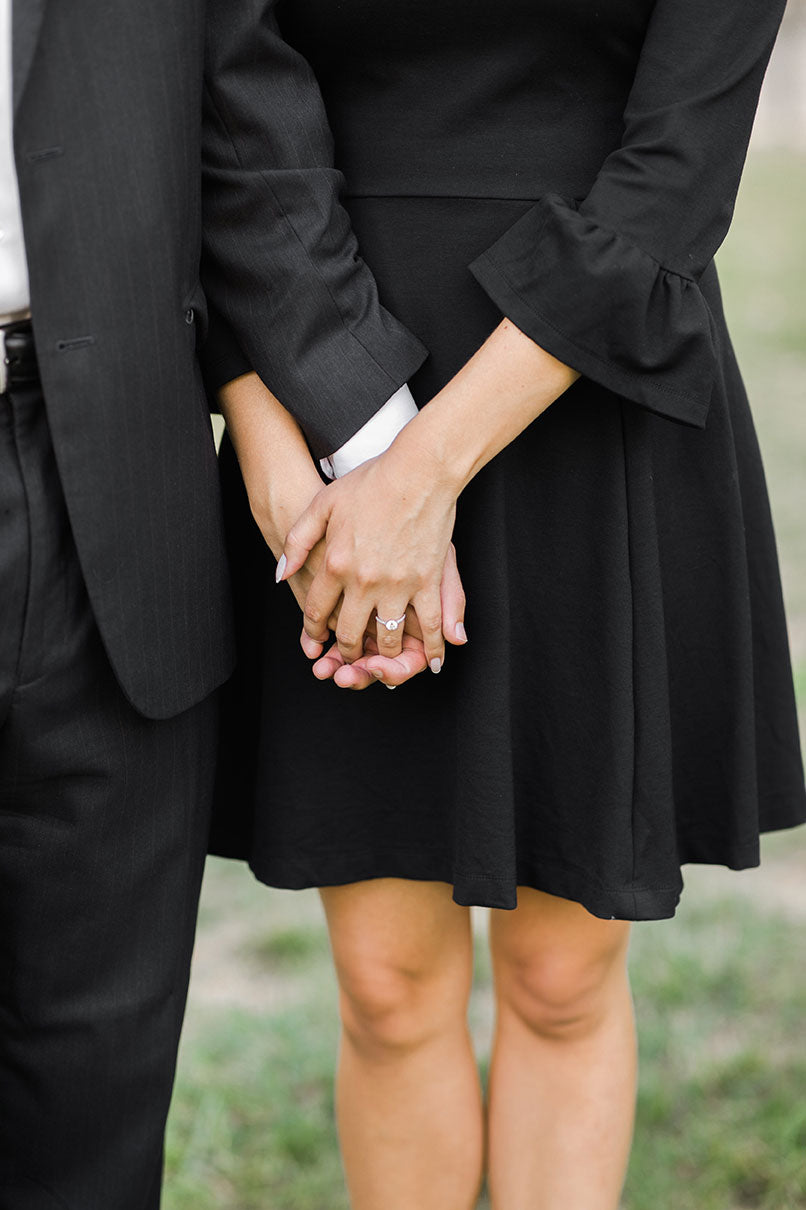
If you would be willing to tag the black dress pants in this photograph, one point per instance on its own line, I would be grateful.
(103, 829)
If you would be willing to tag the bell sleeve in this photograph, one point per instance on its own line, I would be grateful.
(611, 284)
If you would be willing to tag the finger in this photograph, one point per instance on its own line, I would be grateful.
(354, 619)
(303, 536)
(428, 607)
(330, 663)
(321, 603)
(326, 668)
(354, 676)
(390, 622)
(312, 647)
(452, 594)
(392, 673)
(412, 624)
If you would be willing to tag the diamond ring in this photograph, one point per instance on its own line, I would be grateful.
(392, 624)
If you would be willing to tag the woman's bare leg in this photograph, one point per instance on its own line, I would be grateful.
(407, 1096)
(562, 1078)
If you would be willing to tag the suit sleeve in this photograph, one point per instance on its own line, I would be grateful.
(610, 285)
(221, 357)
(279, 258)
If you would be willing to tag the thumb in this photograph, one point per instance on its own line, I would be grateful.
(303, 536)
(453, 601)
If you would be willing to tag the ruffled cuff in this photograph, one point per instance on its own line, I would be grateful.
(605, 307)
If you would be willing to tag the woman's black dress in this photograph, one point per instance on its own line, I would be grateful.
(625, 702)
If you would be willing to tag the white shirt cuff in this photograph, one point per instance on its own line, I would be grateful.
(374, 437)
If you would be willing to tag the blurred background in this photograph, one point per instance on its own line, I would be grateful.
(720, 991)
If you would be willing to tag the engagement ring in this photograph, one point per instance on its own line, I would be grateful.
(392, 624)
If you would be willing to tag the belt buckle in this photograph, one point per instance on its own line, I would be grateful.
(3, 363)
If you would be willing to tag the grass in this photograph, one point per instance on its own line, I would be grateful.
(720, 992)
(762, 271)
(721, 1001)
(721, 1112)
(285, 947)
(254, 1130)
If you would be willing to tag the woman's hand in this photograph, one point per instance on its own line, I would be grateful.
(389, 526)
(394, 671)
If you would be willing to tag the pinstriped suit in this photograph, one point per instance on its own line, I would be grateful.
(115, 602)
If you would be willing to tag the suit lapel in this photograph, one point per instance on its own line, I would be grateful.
(26, 20)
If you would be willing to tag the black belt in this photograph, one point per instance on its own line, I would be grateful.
(18, 364)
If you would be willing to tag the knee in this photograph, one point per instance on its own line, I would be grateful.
(388, 1009)
(562, 998)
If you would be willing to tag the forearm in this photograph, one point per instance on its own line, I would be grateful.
(494, 397)
(278, 471)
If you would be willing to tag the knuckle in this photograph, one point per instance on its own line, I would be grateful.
(364, 579)
(431, 623)
(313, 615)
(335, 563)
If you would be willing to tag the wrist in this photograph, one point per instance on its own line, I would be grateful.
(424, 456)
(506, 385)
(435, 448)
(277, 498)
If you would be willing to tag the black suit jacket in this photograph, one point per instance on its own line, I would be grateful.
(108, 98)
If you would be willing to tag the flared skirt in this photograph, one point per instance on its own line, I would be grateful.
(624, 704)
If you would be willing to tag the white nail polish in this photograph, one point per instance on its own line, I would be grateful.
(436, 665)
(390, 686)
(281, 566)
(461, 633)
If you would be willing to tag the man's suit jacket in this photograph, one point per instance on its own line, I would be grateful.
(109, 98)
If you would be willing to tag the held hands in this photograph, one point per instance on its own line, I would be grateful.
(372, 666)
(388, 523)
(281, 482)
(376, 544)
(388, 557)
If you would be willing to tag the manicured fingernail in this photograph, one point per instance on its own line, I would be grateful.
(281, 566)
(391, 686)
(460, 632)
(435, 665)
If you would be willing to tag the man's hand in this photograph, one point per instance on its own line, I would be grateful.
(388, 527)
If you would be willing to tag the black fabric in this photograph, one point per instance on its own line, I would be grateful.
(20, 354)
(625, 703)
(222, 358)
(108, 138)
(628, 127)
(300, 300)
(103, 828)
(115, 604)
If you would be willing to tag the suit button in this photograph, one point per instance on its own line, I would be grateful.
(189, 315)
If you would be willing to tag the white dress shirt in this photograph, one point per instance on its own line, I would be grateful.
(376, 436)
(15, 298)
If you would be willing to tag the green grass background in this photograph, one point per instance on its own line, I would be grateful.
(720, 991)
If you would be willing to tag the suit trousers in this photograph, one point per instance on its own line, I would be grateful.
(104, 820)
